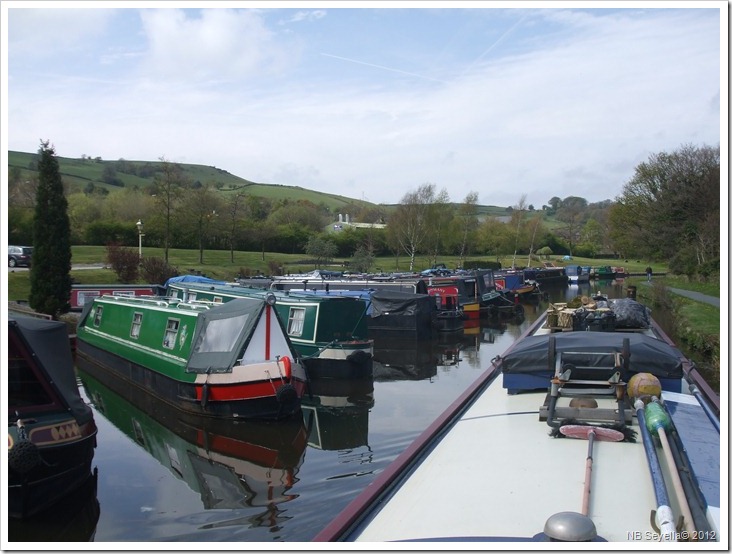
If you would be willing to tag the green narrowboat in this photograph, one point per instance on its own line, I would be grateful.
(330, 333)
(230, 360)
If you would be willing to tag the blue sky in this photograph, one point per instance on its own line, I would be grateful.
(503, 99)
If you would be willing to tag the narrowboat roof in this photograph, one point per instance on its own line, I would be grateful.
(49, 342)
(498, 466)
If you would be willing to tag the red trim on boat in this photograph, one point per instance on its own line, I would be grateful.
(268, 333)
(248, 391)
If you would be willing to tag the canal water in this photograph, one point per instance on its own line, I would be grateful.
(160, 478)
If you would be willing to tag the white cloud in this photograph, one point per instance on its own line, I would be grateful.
(566, 104)
(218, 45)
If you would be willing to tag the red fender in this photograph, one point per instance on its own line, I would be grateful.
(287, 364)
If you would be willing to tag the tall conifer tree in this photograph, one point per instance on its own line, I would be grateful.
(50, 273)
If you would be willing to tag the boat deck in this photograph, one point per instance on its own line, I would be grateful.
(500, 476)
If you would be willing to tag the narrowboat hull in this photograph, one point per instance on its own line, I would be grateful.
(261, 399)
(49, 465)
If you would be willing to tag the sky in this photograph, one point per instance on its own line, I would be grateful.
(371, 100)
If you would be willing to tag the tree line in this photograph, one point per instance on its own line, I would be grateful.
(668, 210)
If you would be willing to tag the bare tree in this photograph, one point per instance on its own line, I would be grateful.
(167, 185)
(468, 216)
(202, 207)
(236, 208)
(536, 224)
(440, 214)
(518, 217)
(572, 213)
(409, 223)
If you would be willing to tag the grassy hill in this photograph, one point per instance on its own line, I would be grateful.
(78, 173)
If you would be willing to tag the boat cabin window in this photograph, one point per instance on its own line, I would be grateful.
(191, 296)
(296, 322)
(136, 323)
(220, 335)
(171, 333)
(218, 299)
(98, 316)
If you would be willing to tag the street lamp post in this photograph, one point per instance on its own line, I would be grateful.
(140, 234)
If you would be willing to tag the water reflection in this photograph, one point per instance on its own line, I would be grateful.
(229, 464)
(399, 359)
(73, 519)
(336, 413)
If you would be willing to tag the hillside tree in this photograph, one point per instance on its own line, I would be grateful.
(50, 272)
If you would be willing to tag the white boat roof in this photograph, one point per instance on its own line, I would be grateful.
(505, 485)
(495, 473)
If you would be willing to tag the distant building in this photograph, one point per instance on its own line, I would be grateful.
(346, 221)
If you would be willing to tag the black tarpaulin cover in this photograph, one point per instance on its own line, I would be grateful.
(49, 340)
(386, 302)
(647, 354)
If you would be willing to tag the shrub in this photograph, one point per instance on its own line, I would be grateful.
(156, 270)
(124, 262)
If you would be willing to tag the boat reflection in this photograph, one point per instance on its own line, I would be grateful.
(73, 519)
(336, 413)
(397, 359)
(230, 464)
